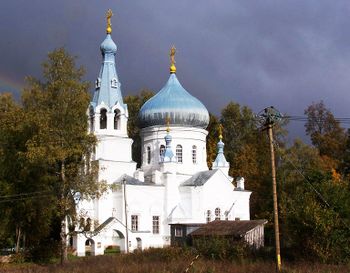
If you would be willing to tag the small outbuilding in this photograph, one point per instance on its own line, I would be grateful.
(249, 231)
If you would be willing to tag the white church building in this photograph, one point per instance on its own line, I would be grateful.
(173, 185)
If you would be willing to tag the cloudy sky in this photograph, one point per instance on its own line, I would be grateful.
(257, 53)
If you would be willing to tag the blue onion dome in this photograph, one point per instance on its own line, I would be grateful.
(173, 102)
(108, 46)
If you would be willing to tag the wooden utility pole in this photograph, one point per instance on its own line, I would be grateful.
(126, 218)
(269, 117)
(275, 206)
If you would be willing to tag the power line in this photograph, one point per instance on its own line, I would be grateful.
(22, 194)
(24, 198)
(343, 120)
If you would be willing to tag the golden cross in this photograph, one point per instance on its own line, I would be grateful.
(109, 15)
(172, 59)
(220, 131)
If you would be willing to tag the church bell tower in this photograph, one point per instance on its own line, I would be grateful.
(108, 116)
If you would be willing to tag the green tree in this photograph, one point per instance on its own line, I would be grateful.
(26, 216)
(325, 131)
(247, 150)
(135, 103)
(212, 139)
(57, 108)
(314, 206)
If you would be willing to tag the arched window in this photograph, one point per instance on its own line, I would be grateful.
(208, 215)
(161, 151)
(116, 119)
(148, 154)
(179, 153)
(103, 119)
(194, 154)
(217, 214)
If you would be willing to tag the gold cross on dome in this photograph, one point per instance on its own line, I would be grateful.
(109, 15)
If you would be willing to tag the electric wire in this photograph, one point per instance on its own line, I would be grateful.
(24, 198)
(22, 194)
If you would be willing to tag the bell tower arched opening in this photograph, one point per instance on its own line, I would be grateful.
(103, 119)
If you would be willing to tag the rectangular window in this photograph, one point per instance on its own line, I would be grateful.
(155, 224)
(179, 153)
(134, 222)
(178, 232)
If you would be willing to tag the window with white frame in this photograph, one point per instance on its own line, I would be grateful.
(155, 224)
(178, 232)
(208, 215)
(194, 154)
(217, 214)
(179, 153)
(148, 155)
(134, 222)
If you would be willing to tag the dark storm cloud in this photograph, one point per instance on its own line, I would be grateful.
(257, 53)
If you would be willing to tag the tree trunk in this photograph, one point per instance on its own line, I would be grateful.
(18, 234)
(64, 254)
(63, 234)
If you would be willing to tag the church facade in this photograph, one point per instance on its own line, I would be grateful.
(173, 185)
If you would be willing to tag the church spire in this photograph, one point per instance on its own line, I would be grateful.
(168, 153)
(107, 86)
(220, 161)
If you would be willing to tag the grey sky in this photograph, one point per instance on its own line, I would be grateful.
(257, 53)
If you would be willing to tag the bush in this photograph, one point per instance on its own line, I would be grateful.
(221, 248)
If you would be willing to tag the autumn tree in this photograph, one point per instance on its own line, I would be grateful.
(314, 206)
(57, 108)
(247, 150)
(325, 131)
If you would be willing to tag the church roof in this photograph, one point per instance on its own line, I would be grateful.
(199, 179)
(129, 180)
(173, 102)
(227, 228)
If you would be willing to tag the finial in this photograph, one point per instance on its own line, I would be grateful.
(172, 60)
(109, 14)
(220, 131)
(167, 120)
